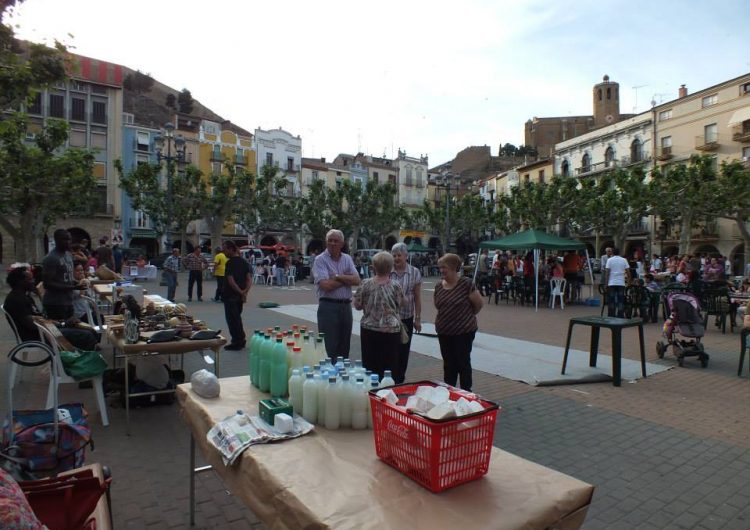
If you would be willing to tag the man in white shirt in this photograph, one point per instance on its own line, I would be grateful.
(616, 277)
(656, 263)
(607, 254)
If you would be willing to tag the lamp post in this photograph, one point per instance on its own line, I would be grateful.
(444, 182)
(168, 139)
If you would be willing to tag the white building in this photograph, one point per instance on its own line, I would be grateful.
(412, 179)
(277, 147)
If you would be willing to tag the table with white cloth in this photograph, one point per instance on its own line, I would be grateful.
(333, 479)
(133, 272)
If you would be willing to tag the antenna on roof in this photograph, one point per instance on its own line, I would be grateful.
(635, 107)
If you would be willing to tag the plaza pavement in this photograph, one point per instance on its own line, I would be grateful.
(671, 451)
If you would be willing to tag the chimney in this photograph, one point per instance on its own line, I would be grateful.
(682, 92)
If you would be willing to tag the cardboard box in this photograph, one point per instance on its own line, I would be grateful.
(268, 408)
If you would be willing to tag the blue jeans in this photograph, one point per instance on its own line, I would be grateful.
(280, 277)
(171, 279)
(616, 301)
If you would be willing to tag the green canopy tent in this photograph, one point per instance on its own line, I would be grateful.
(535, 240)
(416, 247)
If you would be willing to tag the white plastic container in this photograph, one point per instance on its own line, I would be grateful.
(360, 402)
(310, 398)
(333, 409)
(295, 391)
(387, 379)
(346, 396)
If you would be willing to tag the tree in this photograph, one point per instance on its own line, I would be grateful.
(138, 82)
(171, 101)
(684, 193)
(264, 205)
(311, 211)
(732, 199)
(169, 205)
(185, 101)
(39, 183)
(223, 196)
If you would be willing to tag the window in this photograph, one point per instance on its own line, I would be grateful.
(216, 168)
(77, 138)
(99, 112)
(419, 177)
(541, 176)
(392, 178)
(35, 107)
(666, 141)
(290, 163)
(744, 89)
(315, 175)
(57, 106)
(609, 93)
(142, 141)
(77, 109)
(338, 173)
(710, 133)
(710, 100)
(269, 159)
(609, 157)
(585, 163)
(746, 154)
(128, 118)
(100, 171)
(600, 95)
(665, 115)
(98, 89)
(636, 151)
(375, 177)
(565, 168)
(141, 219)
(140, 159)
(98, 140)
(408, 176)
(526, 178)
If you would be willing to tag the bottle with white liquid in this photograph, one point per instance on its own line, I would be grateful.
(310, 398)
(359, 405)
(373, 386)
(322, 382)
(333, 409)
(387, 379)
(295, 391)
(346, 396)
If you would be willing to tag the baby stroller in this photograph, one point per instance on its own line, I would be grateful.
(684, 328)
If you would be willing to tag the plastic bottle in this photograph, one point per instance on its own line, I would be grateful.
(339, 365)
(296, 363)
(373, 386)
(295, 391)
(310, 398)
(289, 356)
(359, 405)
(264, 365)
(345, 401)
(252, 353)
(387, 379)
(333, 408)
(308, 351)
(278, 369)
(322, 382)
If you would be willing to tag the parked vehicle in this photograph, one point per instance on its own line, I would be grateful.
(251, 254)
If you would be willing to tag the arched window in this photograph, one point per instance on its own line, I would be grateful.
(636, 151)
(600, 94)
(609, 93)
(609, 156)
(585, 163)
(565, 168)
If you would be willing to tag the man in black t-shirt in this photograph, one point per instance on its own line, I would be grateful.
(59, 280)
(237, 283)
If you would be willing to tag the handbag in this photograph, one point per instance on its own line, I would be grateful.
(65, 502)
(82, 365)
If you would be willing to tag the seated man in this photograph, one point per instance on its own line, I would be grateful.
(22, 309)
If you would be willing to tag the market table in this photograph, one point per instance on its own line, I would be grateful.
(333, 479)
(615, 325)
(178, 347)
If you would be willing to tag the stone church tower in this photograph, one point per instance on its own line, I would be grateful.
(606, 103)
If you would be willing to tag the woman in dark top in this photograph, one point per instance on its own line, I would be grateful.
(457, 302)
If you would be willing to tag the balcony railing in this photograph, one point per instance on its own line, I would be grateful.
(240, 160)
(217, 156)
(708, 142)
(664, 153)
(741, 134)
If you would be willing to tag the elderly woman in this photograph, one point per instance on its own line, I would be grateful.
(410, 280)
(380, 300)
(457, 302)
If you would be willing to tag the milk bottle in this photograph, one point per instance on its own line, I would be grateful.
(322, 382)
(387, 379)
(373, 386)
(295, 391)
(360, 401)
(345, 397)
(333, 409)
(310, 398)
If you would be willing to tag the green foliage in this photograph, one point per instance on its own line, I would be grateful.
(185, 101)
(138, 82)
(264, 205)
(171, 101)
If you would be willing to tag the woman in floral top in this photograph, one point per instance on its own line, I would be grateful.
(380, 298)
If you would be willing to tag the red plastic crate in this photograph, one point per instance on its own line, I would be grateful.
(438, 454)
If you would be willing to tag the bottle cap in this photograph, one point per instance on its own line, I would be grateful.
(297, 349)
(331, 378)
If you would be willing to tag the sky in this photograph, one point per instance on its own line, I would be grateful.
(428, 77)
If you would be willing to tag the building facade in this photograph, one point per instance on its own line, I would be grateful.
(411, 179)
(281, 149)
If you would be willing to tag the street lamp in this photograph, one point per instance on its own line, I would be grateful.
(168, 139)
(444, 182)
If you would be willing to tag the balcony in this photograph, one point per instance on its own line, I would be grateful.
(240, 160)
(707, 143)
(742, 134)
(664, 153)
(217, 156)
(596, 168)
(640, 227)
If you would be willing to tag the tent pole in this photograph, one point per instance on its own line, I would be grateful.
(591, 274)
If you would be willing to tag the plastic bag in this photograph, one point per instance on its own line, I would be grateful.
(205, 384)
(81, 365)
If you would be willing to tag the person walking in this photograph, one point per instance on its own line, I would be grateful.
(238, 283)
(220, 262)
(410, 280)
(457, 302)
(616, 276)
(335, 275)
(195, 264)
(171, 268)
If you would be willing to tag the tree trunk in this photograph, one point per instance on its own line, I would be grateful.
(215, 228)
(28, 236)
(686, 227)
(183, 241)
(597, 243)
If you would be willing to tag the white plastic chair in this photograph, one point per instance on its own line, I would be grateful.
(258, 278)
(291, 276)
(94, 314)
(58, 375)
(557, 289)
(13, 366)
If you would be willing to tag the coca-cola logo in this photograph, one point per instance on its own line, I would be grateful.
(399, 429)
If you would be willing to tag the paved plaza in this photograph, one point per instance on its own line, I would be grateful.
(666, 452)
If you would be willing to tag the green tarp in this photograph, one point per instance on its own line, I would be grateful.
(530, 239)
